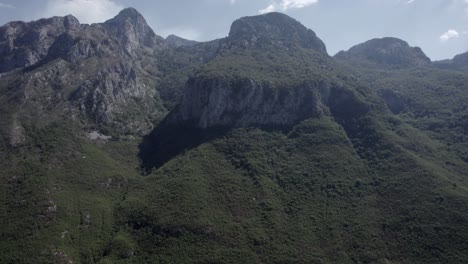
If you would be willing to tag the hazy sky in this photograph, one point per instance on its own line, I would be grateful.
(439, 27)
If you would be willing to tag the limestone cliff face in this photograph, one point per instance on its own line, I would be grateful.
(105, 73)
(25, 44)
(132, 32)
(245, 102)
(176, 41)
(112, 93)
(28, 44)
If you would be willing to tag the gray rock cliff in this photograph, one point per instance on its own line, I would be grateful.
(212, 102)
(105, 73)
(176, 41)
(25, 44)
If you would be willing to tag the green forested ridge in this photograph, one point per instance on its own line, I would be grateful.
(377, 176)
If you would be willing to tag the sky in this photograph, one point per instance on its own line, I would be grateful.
(439, 27)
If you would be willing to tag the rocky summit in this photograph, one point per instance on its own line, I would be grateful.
(120, 146)
(94, 71)
(274, 29)
(387, 51)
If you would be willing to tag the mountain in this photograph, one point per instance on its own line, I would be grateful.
(176, 41)
(100, 72)
(274, 29)
(119, 146)
(25, 44)
(224, 95)
(459, 62)
(386, 51)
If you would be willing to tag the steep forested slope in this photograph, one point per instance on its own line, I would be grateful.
(258, 148)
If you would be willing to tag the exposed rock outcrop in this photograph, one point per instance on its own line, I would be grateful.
(132, 32)
(17, 133)
(176, 41)
(105, 72)
(25, 44)
(212, 102)
(114, 91)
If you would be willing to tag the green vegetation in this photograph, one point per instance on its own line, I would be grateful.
(58, 194)
(271, 66)
(379, 177)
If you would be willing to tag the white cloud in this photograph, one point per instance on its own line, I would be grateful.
(285, 5)
(87, 11)
(268, 9)
(451, 33)
(3, 5)
(291, 4)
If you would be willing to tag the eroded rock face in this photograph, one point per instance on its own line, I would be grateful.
(25, 44)
(111, 92)
(176, 41)
(132, 32)
(92, 70)
(213, 102)
(17, 134)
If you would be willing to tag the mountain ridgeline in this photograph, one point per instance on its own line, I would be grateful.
(120, 146)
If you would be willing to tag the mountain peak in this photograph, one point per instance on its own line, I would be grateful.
(130, 26)
(126, 15)
(274, 28)
(129, 12)
(387, 51)
(176, 41)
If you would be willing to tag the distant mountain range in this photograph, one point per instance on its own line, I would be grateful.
(120, 146)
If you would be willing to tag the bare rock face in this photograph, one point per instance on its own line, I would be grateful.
(176, 41)
(244, 102)
(17, 133)
(25, 44)
(94, 71)
(132, 31)
(111, 92)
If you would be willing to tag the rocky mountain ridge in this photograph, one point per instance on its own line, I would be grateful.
(119, 146)
(115, 60)
(177, 41)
